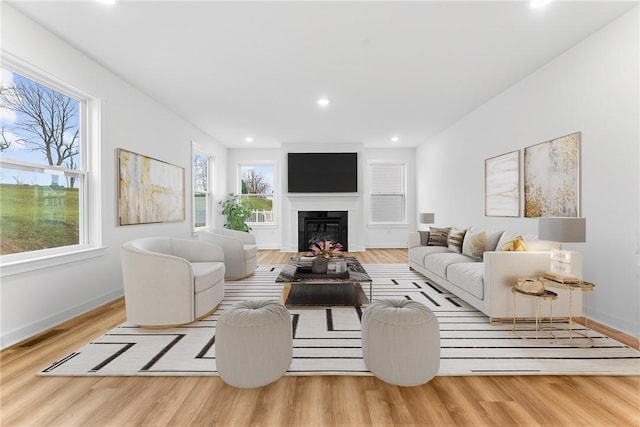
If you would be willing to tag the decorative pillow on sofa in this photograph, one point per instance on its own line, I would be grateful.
(438, 236)
(455, 238)
(473, 244)
(491, 241)
(515, 244)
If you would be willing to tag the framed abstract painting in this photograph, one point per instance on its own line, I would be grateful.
(149, 190)
(502, 185)
(552, 178)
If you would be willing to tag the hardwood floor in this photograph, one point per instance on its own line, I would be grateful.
(29, 400)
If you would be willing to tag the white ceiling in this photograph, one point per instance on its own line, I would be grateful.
(241, 68)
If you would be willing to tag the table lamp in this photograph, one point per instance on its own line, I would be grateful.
(427, 218)
(562, 230)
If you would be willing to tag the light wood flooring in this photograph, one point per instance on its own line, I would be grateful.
(29, 400)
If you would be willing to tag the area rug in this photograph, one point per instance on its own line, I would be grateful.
(327, 339)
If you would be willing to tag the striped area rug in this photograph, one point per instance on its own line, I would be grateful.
(327, 339)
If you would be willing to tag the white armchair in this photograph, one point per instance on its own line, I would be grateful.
(169, 282)
(240, 250)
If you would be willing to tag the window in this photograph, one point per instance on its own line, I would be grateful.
(202, 184)
(256, 187)
(387, 193)
(44, 177)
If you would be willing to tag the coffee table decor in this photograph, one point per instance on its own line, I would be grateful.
(321, 252)
(290, 273)
(303, 287)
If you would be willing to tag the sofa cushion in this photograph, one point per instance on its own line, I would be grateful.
(491, 239)
(438, 263)
(473, 244)
(419, 253)
(207, 274)
(438, 236)
(455, 238)
(468, 276)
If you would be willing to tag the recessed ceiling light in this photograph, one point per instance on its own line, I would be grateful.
(323, 102)
(395, 139)
(107, 1)
(248, 139)
(535, 4)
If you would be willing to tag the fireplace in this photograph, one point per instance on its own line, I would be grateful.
(322, 225)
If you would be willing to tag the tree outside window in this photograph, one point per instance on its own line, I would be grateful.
(202, 172)
(41, 173)
(256, 182)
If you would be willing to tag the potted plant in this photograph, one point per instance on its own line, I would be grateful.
(323, 250)
(236, 212)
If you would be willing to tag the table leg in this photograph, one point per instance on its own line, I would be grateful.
(537, 311)
(570, 316)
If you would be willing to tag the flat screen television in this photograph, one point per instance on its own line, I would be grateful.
(322, 172)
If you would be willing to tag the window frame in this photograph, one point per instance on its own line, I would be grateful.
(370, 166)
(209, 193)
(89, 192)
(274, 203)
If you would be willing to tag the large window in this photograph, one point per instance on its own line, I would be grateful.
(256, 187)
(387, 199)
(202, 188)
(43, 172)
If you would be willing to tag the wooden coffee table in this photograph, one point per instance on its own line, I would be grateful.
(304, 288)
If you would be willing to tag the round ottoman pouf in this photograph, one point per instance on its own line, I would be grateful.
(401, 342)
(254, 343)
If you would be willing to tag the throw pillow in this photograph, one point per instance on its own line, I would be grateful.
(515, 244)
(424, 237)
(438, 236)
(456, 236)
(473, 244)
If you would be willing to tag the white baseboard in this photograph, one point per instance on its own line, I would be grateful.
(13, 337)
(402, 245)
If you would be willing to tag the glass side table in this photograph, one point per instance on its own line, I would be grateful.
(581, 286)
(538, 300)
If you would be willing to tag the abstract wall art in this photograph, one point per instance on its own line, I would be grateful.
(552, 178)
(502, 185)
(149, 190)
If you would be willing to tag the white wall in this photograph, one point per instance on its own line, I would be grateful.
(361, 235)
(35, 301)
(592, 88)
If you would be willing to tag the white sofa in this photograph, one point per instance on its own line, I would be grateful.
(240, 250)
(169, 282)
(486, 283)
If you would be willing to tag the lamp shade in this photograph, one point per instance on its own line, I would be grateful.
(565, 230)
(427, 218)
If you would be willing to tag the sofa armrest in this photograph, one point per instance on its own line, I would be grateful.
(502, 271)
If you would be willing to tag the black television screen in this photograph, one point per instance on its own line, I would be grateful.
(323, 172)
